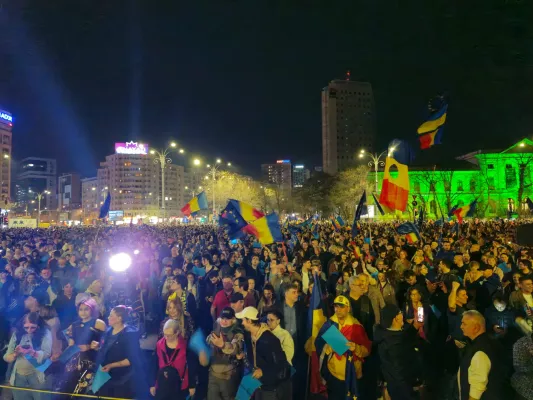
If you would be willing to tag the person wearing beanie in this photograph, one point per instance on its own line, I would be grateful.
(396, 349)
(342, 372)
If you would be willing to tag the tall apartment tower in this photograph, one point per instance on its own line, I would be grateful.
(348, 123)
(6, 125)
(36, 175)
(279, 174)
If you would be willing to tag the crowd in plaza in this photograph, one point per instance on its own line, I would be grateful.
(447, 317)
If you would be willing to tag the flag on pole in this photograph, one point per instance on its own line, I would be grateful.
(380, 209)
(465, 211)
(248, 212)
(232, 221)
(196, 204)
(362, 209)
(266, 229)
(316, 317)
(104, 210)
(430, 132)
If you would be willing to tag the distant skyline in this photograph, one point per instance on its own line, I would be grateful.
(242, 81)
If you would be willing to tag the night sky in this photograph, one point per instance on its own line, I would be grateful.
(241, 80)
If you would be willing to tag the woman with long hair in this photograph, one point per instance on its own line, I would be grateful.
(31, 343)
(85, 333)
(119, 356)
(267, 300)
(177, 367)
(178, 289)
(175, 312)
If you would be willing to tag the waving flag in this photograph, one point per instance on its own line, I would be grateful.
(104, 210)
(316, 317)
(430, 132)
(361, 210)
(410, 231)
(465, 211)
(248, 212)
(232, 221)
(266, 229)
(395, 191)
(196, 204)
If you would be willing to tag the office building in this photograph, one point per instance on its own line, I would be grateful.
(135, 184)
(300, 174)
(194, 183)
(89, 199)
(348, 123)
(36, 175)
(278, 174)
(6, 125)
(69, 192)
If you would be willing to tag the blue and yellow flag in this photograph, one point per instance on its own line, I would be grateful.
(248, 212)
(232, 221)
(410, 231)
(430, 132)
(196, 204)
(266, 229)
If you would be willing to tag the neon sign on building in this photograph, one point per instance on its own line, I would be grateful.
(6, 117)
(131, 148)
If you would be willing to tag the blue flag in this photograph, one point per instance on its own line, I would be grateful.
(104, 210)
(361, 210)
(232, 220)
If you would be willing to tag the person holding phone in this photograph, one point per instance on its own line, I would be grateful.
(31, 343)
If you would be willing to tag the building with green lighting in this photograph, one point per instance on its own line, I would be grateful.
(499, 180)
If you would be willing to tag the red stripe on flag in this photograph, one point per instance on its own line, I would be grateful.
(186, 210)
(393, 196)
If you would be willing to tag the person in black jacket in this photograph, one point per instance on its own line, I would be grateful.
(396, 346)
(267, 357)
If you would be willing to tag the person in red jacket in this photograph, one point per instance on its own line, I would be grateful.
(177, 367)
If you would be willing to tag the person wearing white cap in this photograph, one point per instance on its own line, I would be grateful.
(270, 364)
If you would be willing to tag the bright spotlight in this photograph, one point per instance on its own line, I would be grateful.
(136, 251)
(196, 161)
(120, 262)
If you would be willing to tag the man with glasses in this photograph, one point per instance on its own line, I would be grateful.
(343, 371)
(287, 343)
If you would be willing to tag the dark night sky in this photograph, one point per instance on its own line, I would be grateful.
(242, 79)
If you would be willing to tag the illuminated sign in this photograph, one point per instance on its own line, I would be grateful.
(298, 167)
(116, 215)
(6, 117)
(283, 161)
(131, 148)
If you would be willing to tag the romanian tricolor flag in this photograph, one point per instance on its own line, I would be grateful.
(196, 204)
(266, 229)
(430, 132)
(248, 212)
(410, 231)
(316, 317)
(395, 191)
(465, 211)
(337, 222)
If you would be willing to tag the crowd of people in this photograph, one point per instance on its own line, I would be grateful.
(447, 317)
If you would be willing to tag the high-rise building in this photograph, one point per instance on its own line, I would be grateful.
(279, 174)
(6, 125)
(135, 183)
(89, 199)
(348, 123)
(36, 175)
(69, 192)
(300, 174)
(194, 183)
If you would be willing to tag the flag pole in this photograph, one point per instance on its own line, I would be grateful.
(307, 377)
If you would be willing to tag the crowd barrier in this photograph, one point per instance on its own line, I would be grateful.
(83, 396)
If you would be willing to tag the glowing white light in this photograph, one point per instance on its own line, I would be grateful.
(136, 252)
(120, 262)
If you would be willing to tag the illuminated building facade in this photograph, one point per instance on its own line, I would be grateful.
(6, 126)
(300, 174)
(494, 178)
(38, 175)
(134, 181)
(278, 174)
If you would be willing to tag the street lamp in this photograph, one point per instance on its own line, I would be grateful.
(213, 169)
(162, 158)
(39, 196)
(376, 161)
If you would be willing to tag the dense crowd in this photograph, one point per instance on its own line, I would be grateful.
(447, 317)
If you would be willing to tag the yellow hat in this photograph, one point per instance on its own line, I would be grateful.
(342, 300)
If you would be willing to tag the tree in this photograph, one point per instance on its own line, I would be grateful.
(347, 188)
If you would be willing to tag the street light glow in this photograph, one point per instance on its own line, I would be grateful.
(219, 160)
(196, 161)
(152, 151)
(522, 144)
(208, 165)
(172, 144)
(229, 164)
(362, 151)
(6, 155)
(181, 151)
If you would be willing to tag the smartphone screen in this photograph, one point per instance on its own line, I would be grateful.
(420, 314)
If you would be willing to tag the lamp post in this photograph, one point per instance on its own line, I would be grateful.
(162, 158)
(39, 196)
(376, 161)
(212, 170)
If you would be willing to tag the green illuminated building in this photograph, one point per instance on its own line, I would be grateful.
(499, 180)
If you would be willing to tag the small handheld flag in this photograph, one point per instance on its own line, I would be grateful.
(361, 210)
(410, 231)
